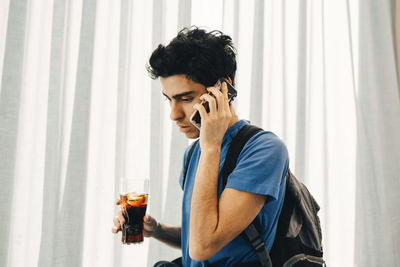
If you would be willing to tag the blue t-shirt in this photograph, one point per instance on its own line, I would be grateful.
(261, 168)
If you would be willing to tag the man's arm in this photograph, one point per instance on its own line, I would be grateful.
(168, 234)
(213, 223)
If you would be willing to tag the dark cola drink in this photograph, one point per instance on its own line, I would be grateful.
(133, 207)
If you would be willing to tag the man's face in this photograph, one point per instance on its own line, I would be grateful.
(182, 94)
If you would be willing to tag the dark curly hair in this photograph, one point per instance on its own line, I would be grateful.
(202, 56)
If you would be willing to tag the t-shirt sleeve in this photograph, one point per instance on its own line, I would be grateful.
(261, 166)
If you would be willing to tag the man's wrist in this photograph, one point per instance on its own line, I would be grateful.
(158, 230)
(212, 150)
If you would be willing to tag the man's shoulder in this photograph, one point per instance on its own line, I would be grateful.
(265, 140)
(261, 165)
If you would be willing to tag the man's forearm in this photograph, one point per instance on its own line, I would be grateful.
(170, 235)
(204, 207)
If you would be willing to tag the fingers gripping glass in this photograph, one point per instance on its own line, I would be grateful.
(195, 119)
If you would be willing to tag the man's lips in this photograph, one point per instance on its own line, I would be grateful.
(183, 128)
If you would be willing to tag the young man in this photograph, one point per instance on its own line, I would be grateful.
(212, 216)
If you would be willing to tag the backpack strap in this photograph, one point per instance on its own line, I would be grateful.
(252, 235)
(252, 232)
(235, 148)
(189, 156)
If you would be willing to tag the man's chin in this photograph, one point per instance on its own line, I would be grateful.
(193, 134)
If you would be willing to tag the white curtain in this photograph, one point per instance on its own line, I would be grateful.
(78, 112)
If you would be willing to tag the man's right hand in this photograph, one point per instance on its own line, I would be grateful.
(171, 235)
(150, 225)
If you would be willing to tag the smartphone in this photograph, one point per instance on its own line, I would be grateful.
(195, 119)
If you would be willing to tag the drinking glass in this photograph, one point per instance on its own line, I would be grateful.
(134, 198)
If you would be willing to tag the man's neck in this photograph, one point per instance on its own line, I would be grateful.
(234, 120)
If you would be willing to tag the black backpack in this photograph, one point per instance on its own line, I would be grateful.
(298, 240)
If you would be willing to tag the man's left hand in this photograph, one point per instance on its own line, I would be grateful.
(215, 123)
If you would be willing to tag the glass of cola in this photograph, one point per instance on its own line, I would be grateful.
(134, 198)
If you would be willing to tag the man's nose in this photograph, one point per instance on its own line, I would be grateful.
(176, 112)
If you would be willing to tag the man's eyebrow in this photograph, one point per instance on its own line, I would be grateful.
(180, 95)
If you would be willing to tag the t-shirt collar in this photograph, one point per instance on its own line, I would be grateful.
(233, 130)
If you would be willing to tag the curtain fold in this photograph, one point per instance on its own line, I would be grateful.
(396, 22)
(64, 202)
(378, 146)
(156, 149)
(122, 109)
(257, 66)
(54, 136)
(301, 90)
(10, 94)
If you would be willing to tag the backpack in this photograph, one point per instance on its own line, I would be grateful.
(298, 240)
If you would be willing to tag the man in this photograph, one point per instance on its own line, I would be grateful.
(212, 216)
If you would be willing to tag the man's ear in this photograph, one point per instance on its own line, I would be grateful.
(229, 80)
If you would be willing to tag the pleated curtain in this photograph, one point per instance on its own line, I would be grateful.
(78, 113)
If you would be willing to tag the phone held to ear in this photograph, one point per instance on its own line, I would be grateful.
(195, 119)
